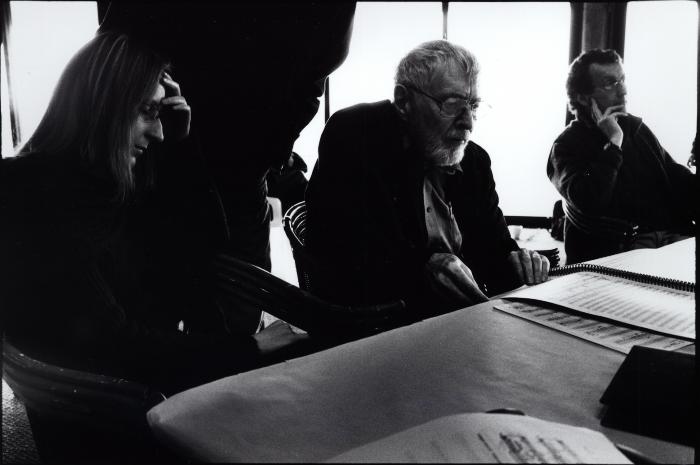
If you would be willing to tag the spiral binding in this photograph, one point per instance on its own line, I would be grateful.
(638, 277)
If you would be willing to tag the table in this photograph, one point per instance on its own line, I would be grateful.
(473, 360)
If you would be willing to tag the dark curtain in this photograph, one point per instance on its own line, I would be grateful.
(6, 21)
(596, 25)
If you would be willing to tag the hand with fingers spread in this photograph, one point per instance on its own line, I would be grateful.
(451, 278)
(607, 121)
(177, 120)
(532, 268)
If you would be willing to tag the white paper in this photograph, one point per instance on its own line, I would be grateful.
(609, 335)
(489, 438)
(658, 308)
(674, 261)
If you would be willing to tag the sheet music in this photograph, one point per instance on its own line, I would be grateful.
(489, 438)
(658, 308)
(609, 335)
(674, 261)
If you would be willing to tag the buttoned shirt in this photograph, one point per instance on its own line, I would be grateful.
(443, 231)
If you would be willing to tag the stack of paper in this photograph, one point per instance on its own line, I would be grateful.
(489, 438)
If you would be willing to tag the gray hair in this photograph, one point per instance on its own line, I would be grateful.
(419, 65)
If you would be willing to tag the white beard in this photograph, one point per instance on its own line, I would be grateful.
(439, 155)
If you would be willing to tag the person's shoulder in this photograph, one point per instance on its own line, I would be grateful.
(632, 124)
(27, 181)
(24, 168)
(39, 175)
(474, 153)
(362, 111)
(574, 131)
(364, 120)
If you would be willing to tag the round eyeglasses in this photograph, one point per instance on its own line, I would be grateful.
(451, 106)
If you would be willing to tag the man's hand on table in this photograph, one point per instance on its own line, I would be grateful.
(450, 277)
(532, 268)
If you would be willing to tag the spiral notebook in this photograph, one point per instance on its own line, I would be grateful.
(659, 303)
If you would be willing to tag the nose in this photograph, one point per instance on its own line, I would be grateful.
(465, 120)
(155, 130)
(622, 89)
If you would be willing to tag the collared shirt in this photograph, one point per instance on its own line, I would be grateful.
(440, 222)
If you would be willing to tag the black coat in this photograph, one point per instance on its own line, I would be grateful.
(365, 213)
(253, 74)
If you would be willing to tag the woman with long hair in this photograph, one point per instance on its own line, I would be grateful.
(76, 287)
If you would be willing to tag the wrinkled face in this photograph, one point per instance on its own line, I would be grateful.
(609, 88)
(147, 128)
(442, 138)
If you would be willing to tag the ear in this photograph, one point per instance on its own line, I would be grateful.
(401, 100)
(584, 100)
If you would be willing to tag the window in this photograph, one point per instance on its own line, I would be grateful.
(7, 149)
(44, 36)
(523, 52)
(661, 53)
(382, 33)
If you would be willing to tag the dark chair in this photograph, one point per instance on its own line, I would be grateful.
(538, 222)
(296, 306)
(552, 255)
(76, 416)
(295, 228)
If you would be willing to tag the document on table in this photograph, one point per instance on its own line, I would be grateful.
(650, 306)
(609, 335)
(489, 438)
(675, 261)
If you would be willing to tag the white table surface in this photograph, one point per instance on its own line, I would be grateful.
(315, 407)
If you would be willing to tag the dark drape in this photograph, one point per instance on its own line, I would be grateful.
(5, 21)
(596, 25)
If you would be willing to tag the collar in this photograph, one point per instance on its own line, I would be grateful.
(448, 170)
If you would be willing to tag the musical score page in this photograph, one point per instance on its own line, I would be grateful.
(610, 335)
(649, 306)
(674, 261)
(488, 438)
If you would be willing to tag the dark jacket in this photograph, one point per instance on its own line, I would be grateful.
(82, 284)
(639, 185)
(365, 213)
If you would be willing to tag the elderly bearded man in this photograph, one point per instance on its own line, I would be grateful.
(402, 205)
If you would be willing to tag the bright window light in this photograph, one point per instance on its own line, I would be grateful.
(523, 52)
(44, 36)
(7, 149)
(307, 143)
(661, 53)
(383, 33)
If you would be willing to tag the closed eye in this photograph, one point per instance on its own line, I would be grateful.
(151, 112)
(454, 102)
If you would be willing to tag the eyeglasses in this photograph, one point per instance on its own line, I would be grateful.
(451, 106)
(613, 84)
